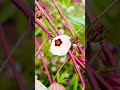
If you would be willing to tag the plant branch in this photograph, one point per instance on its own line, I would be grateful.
(11, 63)
(48, 33)
(17, 44)
(24, 8)
(63, 16)
(77, 69)
(67, 22)
(103, 43)
(91, 78)
(107, 86)
(43, 61)
(48, 18)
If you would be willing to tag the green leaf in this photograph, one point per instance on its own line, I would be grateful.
(76, 20)
(75, 85)
(66, 2)
(60, 78)
(37, 31)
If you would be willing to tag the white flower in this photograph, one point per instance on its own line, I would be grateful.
(39, 85)
(83, 2)
(70, 9)
(61, 31)
(60, 45)
(67, 75)
(53, 69)
(62, 59)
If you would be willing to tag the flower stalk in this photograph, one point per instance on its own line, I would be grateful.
(43, 61)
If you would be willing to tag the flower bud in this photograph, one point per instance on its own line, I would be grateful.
(56, 86)
(97, 33)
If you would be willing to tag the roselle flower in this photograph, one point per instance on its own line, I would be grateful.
(56, 86)
(39, 85)
(70, 9)
(60, 45)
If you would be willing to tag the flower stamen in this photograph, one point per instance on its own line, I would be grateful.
(58, 42)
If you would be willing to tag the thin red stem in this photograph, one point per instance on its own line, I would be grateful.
(48, 33)
(43, 61)
(27, 28)
(48, 18)
(11, 63)
(77, 69)
(103, 43)
(63, 16)
(24, 8)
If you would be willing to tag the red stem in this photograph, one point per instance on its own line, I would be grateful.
(48, 33)
(43, 61)
(27, 28)
(107, 86)
(67, 22)
(48, 18)
(82, 65)
(48, 11)
(24, 8)
(106, 50)
(77, 69)
(64, 17)
(11, 63)
(70, 53)
(93, 83)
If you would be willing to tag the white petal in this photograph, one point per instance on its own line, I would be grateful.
(61, 31)
(39, 85)
(83, 2)
(63, 48)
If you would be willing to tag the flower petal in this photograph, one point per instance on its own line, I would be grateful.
(63, 48)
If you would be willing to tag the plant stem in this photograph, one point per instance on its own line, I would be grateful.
(43, 61)
(60, 69)
(107, 86)
(48, 11)
(48, 18)
(24, 8)
(81, 64)
(11, 63)
(95, 56)
(17, 44)
(48, 33)
(62, 65)
(67, 22)
(63, 16)
(41, 46)
(77, 69)
(106, 50)
(93, 83)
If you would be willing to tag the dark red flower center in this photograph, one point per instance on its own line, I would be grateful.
(58, 42)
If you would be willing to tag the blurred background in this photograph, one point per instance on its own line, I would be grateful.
(100, 63)
(12, 24)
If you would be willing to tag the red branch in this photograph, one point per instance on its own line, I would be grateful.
(43, 61)
(11, 63)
